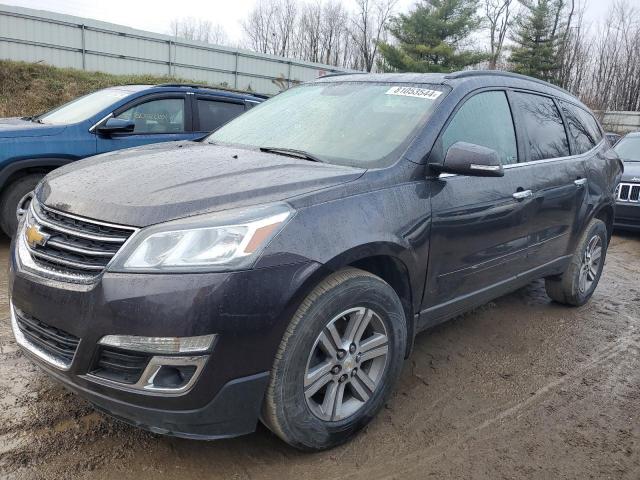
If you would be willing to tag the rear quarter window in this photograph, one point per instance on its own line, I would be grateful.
(583, 128)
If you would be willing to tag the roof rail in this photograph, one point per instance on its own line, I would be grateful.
(211, 87)
(501, 73)
(340, 74)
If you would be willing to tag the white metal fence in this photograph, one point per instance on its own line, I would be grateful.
(620, 122)
(67, 41)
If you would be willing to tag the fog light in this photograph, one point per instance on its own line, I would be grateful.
(173, 376)
(160, 345)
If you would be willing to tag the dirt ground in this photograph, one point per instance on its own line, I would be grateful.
(520, 388)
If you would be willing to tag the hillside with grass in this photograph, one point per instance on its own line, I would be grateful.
(33, 88)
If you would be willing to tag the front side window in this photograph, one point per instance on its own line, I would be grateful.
(543, 126)
(83, 108)
(361, 124)
(628, 148)
(213, 114)
(485, 119)
(157, 116)
(582, 128)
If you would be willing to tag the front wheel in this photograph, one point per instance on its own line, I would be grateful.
(15, 200)
(338, 361)
(578, 282)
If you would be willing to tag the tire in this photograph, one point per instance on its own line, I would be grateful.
(13, 195)
(578, 282)
(341, 301)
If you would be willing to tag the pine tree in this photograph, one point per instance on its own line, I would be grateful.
(432, 37)
(537, 39)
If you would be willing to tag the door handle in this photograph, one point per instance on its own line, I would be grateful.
(580, 182)
(521, 195)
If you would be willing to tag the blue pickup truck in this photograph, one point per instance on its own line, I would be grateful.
(103, 121)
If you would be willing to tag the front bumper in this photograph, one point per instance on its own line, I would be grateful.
(627, 216)
(247, 310)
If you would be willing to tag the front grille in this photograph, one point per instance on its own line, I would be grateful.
(628, 192)
(73, 245)
(54, 341)
(120, 365)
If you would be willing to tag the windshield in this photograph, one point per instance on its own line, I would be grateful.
(628, 149)
(83, 108)
(351, 123)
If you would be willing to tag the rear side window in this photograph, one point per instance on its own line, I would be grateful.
(542, 125)
(212, 114)
(485, 119)
(157, 116)
(583, 128)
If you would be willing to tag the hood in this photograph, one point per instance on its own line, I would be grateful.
(631, 172)
(17, 127)
(162, 182)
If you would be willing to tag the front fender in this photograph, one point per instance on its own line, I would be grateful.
(393, 221)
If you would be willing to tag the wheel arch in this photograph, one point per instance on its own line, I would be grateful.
(386, 261)
(21, 168)
(606, 213)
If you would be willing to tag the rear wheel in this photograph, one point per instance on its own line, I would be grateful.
(16, 196)
(578, 282)
(338, 361)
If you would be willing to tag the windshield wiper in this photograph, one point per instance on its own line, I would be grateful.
(292, 152)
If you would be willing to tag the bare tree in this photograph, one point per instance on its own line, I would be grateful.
(369, 27)
(497, 13)
(270, 26)
(191, 28)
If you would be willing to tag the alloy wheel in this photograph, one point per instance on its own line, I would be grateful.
(591, 262)
(346, 364)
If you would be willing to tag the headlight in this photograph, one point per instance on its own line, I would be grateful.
(225, 241)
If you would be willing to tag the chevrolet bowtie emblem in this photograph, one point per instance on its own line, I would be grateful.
(35, 237)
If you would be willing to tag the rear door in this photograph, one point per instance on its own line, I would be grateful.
(479, 235)
(157, 118)
(211, 112)
(556, 178)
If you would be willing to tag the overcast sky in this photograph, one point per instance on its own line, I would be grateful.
(155, 15)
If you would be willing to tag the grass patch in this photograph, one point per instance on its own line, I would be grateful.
(33, 88)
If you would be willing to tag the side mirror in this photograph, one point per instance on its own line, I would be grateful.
(116, 125)
(469, 159)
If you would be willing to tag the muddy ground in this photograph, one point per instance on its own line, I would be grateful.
(520, 388)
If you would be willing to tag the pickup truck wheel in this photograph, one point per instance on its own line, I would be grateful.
(338, 361)
(578, 282)
(16, 193)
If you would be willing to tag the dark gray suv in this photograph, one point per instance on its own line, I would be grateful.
(280, 268)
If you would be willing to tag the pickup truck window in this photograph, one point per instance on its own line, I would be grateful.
(484, 119)
(543, 126)
(362, 124)
(157, 116)
(83, 108)
(212, 114)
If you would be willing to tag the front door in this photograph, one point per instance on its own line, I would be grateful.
(479, 232)
(159, 118)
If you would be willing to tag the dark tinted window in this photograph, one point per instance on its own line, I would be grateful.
(583, 128)
(543, 126)
(157, 116)
(213, 114)
(484, 119)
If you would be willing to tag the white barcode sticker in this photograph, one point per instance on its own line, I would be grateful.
(414, 92)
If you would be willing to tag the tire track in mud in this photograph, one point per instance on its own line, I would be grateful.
(629, 344)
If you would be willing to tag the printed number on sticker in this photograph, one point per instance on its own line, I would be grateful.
(414, 92)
